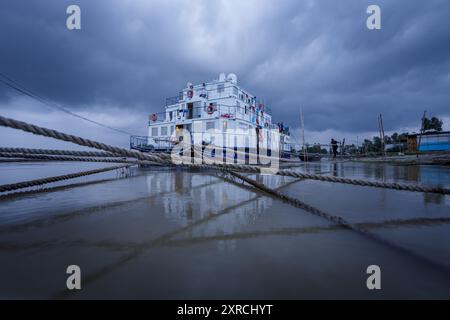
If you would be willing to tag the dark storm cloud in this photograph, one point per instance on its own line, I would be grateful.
(314, 54)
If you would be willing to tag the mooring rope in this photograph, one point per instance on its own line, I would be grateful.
(37, 182)
(338, 220)
(24, 193)
(59, 152)
(365, 183)
(68, 158)
(333, 179)
(11, 123)
(164, 159)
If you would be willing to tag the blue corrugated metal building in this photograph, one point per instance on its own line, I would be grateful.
(434, 141)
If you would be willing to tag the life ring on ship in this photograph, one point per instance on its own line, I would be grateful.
(210, 110)
(154, 117)
(190, 93)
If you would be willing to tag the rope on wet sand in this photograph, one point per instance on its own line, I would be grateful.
(165, 159)
(37, 182)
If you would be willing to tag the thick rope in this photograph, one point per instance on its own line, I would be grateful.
(59, 152)
(365, 183)
(326, 178)
(37, 182)
(164, 159)
(338, 220)
(68, 158)
(11, 123)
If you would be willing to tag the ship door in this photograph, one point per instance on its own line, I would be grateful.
(190, 107)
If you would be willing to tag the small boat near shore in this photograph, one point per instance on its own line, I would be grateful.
(310, 157)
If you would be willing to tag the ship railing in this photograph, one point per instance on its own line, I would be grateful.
(218, 111)
(140, 143)
(150, 144)
(174, 100)
(198, 90)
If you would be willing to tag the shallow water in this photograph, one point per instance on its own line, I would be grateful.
(178, 234)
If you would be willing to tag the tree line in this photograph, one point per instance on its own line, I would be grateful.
(398, 140)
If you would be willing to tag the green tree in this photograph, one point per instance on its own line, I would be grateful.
(316, 148)
(395, 137)
(377, 143)
(367, 146)
(436, 123)
(433, 124)
(388, 140)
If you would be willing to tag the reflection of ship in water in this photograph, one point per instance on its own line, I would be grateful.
(205, 196)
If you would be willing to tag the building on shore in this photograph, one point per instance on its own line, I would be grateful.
(429, 141)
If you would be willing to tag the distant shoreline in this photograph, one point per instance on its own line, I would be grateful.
(421, 159)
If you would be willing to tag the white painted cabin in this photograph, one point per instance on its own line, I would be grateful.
(221, 105)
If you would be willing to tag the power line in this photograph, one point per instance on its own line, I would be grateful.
(21, 89)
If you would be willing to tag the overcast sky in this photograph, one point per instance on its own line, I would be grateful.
(131, 54)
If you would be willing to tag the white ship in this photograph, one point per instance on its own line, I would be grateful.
(221, 106)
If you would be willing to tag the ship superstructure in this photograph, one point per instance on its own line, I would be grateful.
(220, 106)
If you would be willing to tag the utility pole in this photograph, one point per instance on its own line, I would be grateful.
(381, 130)
(422, 129)
(357, 145)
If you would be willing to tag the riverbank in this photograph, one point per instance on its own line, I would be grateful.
(422, 159)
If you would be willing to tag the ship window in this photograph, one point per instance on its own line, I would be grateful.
(164, 131)
(154, 132)
(220, 88)
(197, 112)
(210, 125)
